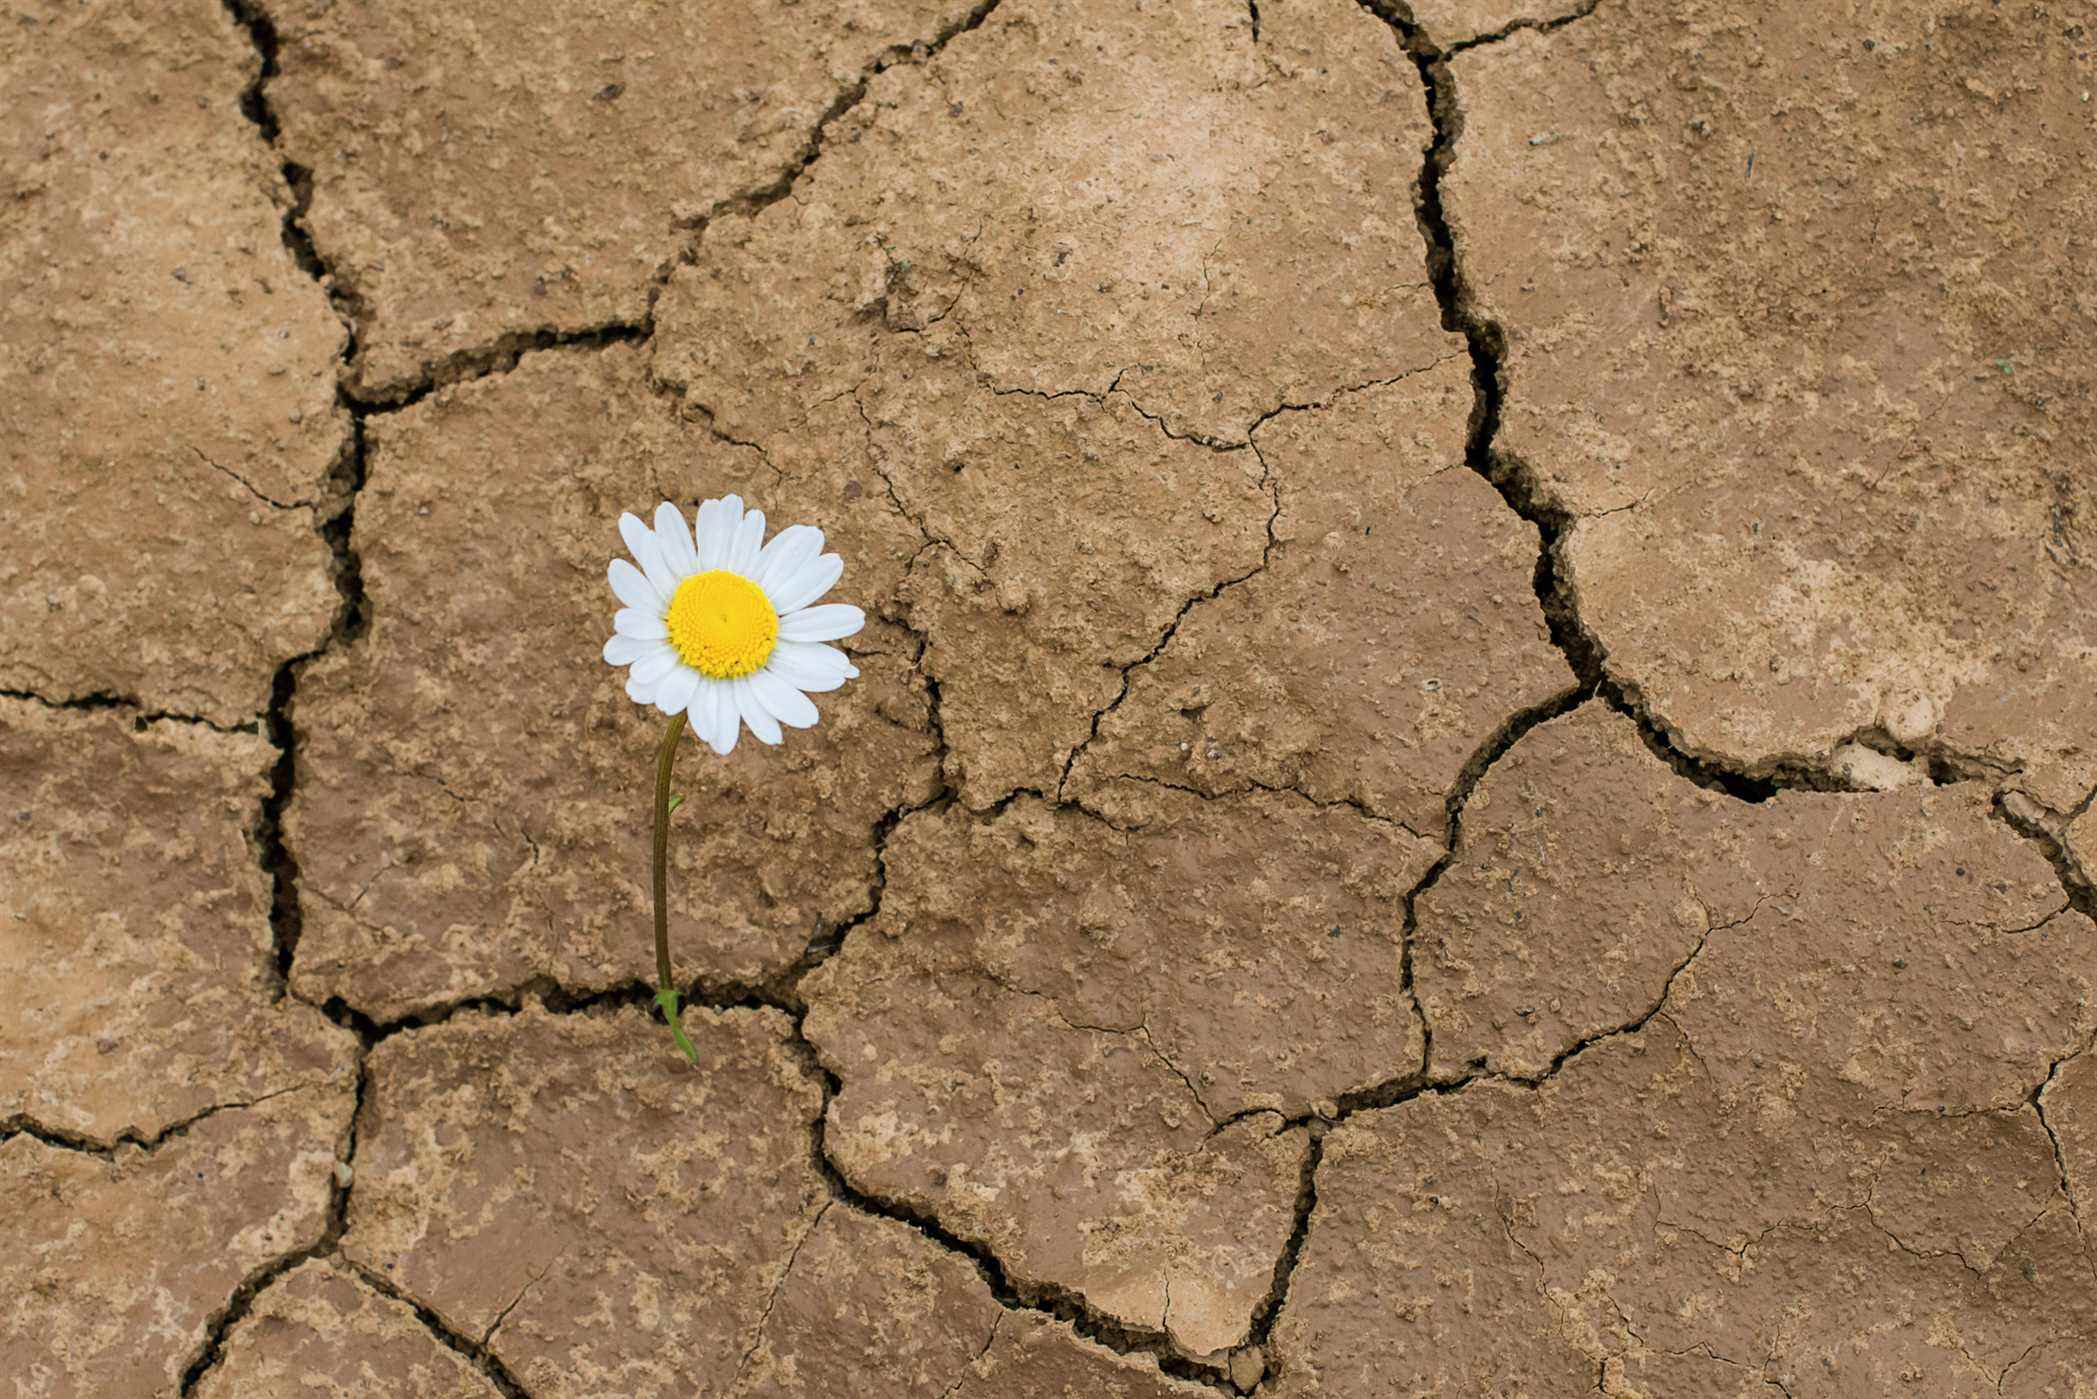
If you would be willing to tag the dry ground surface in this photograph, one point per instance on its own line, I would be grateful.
(1475, 761)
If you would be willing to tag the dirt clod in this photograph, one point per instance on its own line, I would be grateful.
(322, 1332)
(167, 392)
(134, 926)
(1126, 1024)
(1806, 370)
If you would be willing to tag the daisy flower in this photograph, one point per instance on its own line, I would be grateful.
(725, 628)
(721, 629)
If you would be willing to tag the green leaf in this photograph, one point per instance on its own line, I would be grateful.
(667, 998)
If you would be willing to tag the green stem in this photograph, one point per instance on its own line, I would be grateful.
(666, 989)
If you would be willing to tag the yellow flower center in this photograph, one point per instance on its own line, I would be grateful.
(722, 624)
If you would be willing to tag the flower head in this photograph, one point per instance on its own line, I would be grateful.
(722, 626)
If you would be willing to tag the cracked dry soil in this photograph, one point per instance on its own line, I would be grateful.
(1474, 771)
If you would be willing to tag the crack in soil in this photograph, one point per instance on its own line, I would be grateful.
(271, 501)
(2045, 830)
(2037, 1100)
(1541, 26)
(1013, 1294)
(1486, 344)
(22, 1124)
(213, 1350)
(142, 718)
(1273, 489)
(482, 1358)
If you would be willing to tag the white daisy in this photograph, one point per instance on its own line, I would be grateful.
(722, 627)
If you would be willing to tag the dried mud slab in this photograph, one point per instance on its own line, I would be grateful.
(167, 390)
(319, 1331)
(1789, 331)
(482, 172)
(874, 1300)
(116, 1264)
(1814, 1151)
(1513, 1240)
(1588, 873)
(875, 1306)
(134, 926)
(1248, 243)
(476, 724)
(1393, 631)
(1074, 533)
(611, 1220)
(1067, 1042)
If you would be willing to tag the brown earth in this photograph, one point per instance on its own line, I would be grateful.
(1474, 769)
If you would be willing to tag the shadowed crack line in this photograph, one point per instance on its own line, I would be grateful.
(1045, 1299)
(495, 1323)
(142, 718)
(249, 486)
(352, 619)
(1638, 1023)
(2037, 1099)
(21, 1124)
(757, 1337)
(213, 1350)
(785, 989)
(988, 1341)
(2044, 829)
(1268, 1311)
(499, 356)
(1486, 340)
(481, 1357)
(1273, 488)
(917, 52)
(1541, 26)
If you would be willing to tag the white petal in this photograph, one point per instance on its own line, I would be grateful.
(640, 540)
(728, 725)
(639, 691)
(760, 720)
(790, 548)
(645, 624)
(676, 692)
(625, 650)
(707, 711)
(829, 622)
(749, 538)
(703, 553)
(788, 705)
(675, 541)
(806, 583)
(808, 666)
(655, 665)
(634, 589)
(717, 536)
